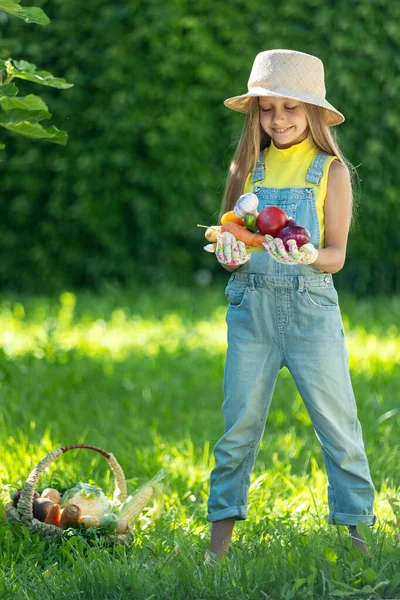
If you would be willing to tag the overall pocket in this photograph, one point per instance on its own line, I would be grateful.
(325, 298)
(236, 295)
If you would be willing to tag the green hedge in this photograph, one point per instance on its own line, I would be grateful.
(150, 140)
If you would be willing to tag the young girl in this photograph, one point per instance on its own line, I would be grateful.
(283, 307)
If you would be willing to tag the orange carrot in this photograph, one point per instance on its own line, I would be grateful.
(70, 515)
(54, 516)
(243, 234)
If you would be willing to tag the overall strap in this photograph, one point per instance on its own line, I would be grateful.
(259, 171)
(315, 172)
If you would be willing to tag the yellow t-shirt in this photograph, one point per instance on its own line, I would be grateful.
(288, 168)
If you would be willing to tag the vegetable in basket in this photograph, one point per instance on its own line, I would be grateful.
(109, 522)
(17, 495)
(134, 505)
(52, 494)
(41, 508)
(54, 515)
(70, 516)
(90, 499)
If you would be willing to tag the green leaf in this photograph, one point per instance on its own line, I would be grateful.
(9, 89)
(2, 146)
(37, 132)
(369, 576)
(330, 555)
(30, 102)
(28, 71)
(9, 117)
(29, 15)
(394, 583)
(30, 108)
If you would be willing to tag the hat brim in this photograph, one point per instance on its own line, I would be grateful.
(241, 103)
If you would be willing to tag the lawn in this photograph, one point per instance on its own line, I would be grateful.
(139, 373)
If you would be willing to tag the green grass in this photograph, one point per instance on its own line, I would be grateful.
(139, 373)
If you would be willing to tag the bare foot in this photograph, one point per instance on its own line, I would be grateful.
(357, 541)
(210, 560)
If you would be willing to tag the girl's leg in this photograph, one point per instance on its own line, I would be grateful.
(357, 540)
(248, 391)
(319, 366)
(325, 387)
(221, 534)
(252, 364)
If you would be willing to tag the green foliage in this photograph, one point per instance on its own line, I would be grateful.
(29, 15)
(152, 141)
(23, 115)
(72, 369)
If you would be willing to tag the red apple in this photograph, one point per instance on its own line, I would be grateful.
(271, 220)
(292, 231)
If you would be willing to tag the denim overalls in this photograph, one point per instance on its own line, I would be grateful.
(288, 315)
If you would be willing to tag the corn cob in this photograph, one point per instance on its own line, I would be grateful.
(134, 505)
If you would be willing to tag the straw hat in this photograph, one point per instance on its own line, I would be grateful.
(287, 74)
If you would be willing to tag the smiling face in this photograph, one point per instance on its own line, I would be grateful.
(284, 120)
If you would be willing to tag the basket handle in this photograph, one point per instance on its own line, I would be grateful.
(25, 503)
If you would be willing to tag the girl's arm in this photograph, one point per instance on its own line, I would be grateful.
(337, 211)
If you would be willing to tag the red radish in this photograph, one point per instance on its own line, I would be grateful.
(271, 220)
(295, 232)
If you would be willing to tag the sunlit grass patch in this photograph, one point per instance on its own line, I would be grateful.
(112, 338)
(48, 334)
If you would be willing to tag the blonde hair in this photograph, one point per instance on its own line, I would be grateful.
(253, 139)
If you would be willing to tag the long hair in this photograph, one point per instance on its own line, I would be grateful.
(253, 139)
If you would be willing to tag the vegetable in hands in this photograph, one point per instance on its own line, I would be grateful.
(242, 234)
(250, 222)
(211, 233)
(271, 220)
(247, 204)
(295, 232)
(230, 217)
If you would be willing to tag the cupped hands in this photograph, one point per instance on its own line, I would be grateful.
(305, 255)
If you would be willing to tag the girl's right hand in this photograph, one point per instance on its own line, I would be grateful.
(229, 251)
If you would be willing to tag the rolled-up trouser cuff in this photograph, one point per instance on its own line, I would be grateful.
(237, 512)
(344, 519)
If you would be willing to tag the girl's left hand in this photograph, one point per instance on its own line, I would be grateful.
(305, 255)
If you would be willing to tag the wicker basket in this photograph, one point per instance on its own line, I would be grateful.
(24, 511)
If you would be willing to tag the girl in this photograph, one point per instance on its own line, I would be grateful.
(283, 307)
